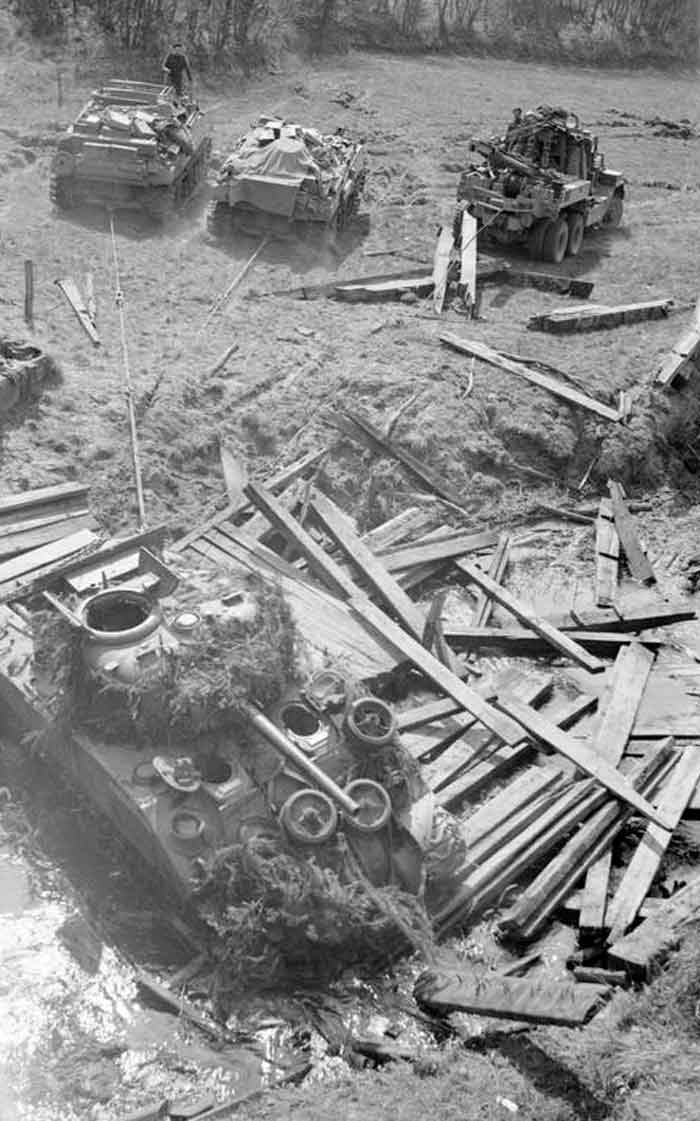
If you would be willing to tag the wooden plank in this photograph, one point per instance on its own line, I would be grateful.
(592, 319)
(420, 470)
(683, 356)
(606, 573)
(509, 998)
(572, 906)
(380, 290)
(71, 292)
(372, 569)
(441, 264)
(496, 570)
(528, 618)
(548, 282)
(626, 619)
(21, 542)
(14, 507)
(640, 872)
(649, 944)
(468, 749)
(543, 381)
(583, 756)
(276, 483)
(413, 520)
(581, 852)
(607, 545)
(502, 759)
(424, 714)
(627, 532)
(467, 275)
(502, 806)
(11, 570)
(629, 679)
(521, 643)
(441, 550)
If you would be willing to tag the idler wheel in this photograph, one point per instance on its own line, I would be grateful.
(309, 817)
(370, 724)
(187, 830)
(374, 803)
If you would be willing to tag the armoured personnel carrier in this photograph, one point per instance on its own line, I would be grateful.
(133, 145)
(281, 176)
(542, 184)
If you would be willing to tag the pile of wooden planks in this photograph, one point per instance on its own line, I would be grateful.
(38, 517)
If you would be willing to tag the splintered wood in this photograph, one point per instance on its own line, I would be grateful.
(607, 547)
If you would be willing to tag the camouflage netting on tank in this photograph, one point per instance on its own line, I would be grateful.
(281, 916)
(199, 689)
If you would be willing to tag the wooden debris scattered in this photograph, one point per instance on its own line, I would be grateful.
(441, 264)
(645, 949)
(594, 318)
(607, 547)
(630, 675)
(636, 558)
(684, 358)
(496, 570)
(545, 381)
(640, 872)
(561, 642)
(509, 998)
(72, 293)
(34, 570)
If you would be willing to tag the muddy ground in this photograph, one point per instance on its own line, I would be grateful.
(298, 360)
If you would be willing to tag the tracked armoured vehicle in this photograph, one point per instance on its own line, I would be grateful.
(542, 185)
(133, 145)
(282, 178)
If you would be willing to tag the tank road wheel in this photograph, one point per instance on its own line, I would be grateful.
(576, 227)
(613, 215)
(535, 241)
(61, 192)
(555, 240)
(309, 817)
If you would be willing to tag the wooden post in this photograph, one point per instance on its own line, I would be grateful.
(29, 293)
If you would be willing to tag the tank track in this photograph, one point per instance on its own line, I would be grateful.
(219, 221)
(61, 192)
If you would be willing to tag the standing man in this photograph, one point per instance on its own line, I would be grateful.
(176, 66)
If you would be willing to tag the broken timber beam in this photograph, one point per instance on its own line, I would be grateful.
(629, 619)
(583, 756)
(519, 369)
(376, 291)
(548, 282)
(592, 319)
(421, 471)
(411, 556)
(372, 569)
(650, 943)
(594, 837)
(441, 265)
(72, 293)
(407, 648)
(637, 560)
(607, 547)
(522, 643)
(561, 642)
(629, 679)
(509, 998)
(640, 872)
(497, 569)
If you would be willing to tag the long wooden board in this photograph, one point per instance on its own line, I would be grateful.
(510, 998)
(629, 618)
(497, 569)
(607, 547)
(23, 566)
(441, 265)
(420, 470)
(441, 550)
(22, 541)
(585, 758)
(561, 642)
(15, 507)
(522, 643)
(374, 572)
(72, 293)
(637, 560)
(467, 273)
(544, 381)
(593, 319)
(641, 870)
(630, 675)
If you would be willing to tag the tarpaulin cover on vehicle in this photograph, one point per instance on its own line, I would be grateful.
(268, 177)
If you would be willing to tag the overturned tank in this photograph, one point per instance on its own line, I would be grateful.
(133, 145)
(542, 184)
(307, 805)
(282, 177)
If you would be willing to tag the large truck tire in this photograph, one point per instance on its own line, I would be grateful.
(555, 240)
(576, 228)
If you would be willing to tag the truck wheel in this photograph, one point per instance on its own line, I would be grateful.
(535, 240)
(576, 228)
(555, 241)
(613, 215)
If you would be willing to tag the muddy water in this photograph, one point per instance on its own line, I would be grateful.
(75, 1041)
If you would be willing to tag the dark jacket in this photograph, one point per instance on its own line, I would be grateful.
(176, 64)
